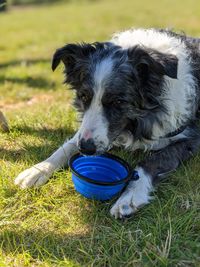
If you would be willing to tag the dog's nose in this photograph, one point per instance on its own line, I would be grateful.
(87, 147)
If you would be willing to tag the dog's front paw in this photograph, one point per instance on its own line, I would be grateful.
(123, 208)
(34, 176)
(137, 194)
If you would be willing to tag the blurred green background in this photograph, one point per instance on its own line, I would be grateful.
(53, 225)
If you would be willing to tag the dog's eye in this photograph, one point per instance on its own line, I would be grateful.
(85, 98)
(116, 102)
(112, 101)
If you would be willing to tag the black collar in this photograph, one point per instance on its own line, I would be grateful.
(178, 131)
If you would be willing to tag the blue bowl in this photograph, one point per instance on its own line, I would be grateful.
(99, 177)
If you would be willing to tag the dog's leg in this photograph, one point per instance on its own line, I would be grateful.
(40, 173)
(151, 170)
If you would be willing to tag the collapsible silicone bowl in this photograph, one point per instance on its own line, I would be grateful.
(99, 177)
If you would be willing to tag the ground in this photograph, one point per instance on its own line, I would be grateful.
(54, 225)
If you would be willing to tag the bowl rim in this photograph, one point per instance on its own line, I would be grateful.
(107, 155)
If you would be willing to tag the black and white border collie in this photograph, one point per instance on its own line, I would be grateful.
(141, 91)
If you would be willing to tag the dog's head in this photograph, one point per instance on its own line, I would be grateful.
(116, 89)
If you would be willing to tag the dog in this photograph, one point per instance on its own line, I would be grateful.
(140, 90)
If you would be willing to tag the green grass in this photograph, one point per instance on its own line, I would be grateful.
(53, 225)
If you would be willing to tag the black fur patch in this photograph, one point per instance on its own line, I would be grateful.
(162, 162)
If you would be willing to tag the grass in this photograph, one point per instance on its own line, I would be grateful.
(53, 225)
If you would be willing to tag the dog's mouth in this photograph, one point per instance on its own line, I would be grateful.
(98, 152)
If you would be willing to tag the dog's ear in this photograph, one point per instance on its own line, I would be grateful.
(147, 60)
(70, 54)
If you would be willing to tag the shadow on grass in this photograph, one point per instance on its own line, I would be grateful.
(43, 131)
(36, 153)
(24, 62)
(50, 247)
(100, 241)
(53, 242)
(44, 2)
(33, 82)
(35, 2)
(42, 246)
(53, 138)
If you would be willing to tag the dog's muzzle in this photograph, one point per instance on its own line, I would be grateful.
(87, 147)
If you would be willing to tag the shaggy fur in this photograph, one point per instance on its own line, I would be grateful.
(140, 90)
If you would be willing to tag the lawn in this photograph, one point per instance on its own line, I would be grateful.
(53, 225)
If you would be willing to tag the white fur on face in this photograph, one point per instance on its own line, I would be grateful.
(94, 120)
(102, 71)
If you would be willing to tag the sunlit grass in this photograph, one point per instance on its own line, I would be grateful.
(53, 225)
